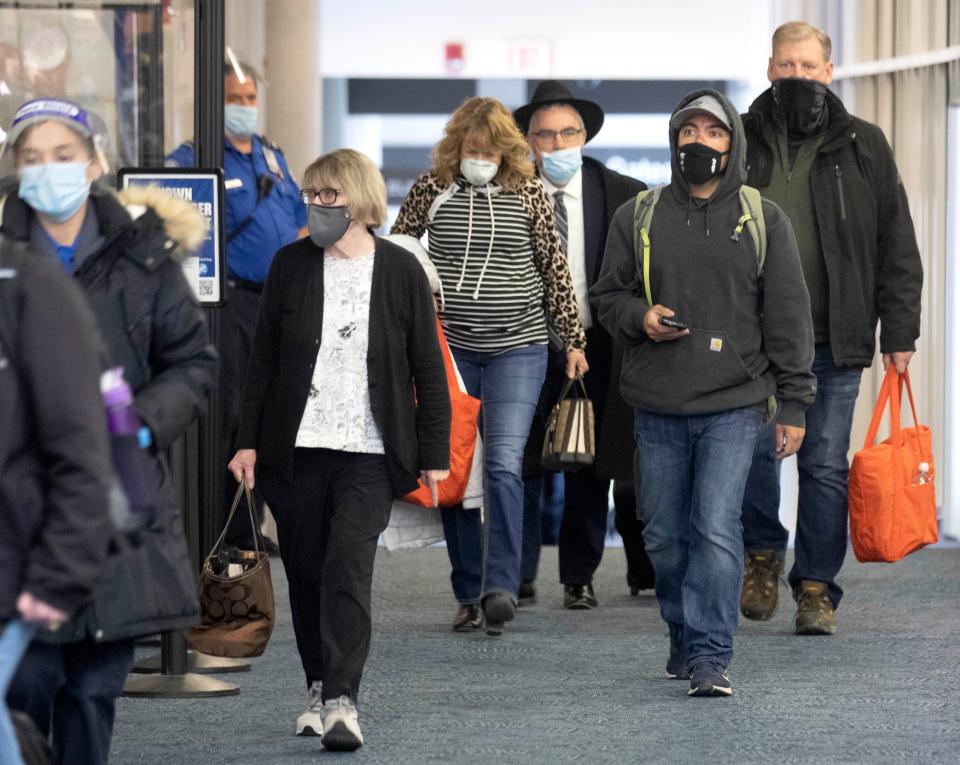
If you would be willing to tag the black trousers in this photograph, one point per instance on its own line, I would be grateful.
(630, 528)
(328, 522)
(72, 688)
(583, 529)
(238, 320)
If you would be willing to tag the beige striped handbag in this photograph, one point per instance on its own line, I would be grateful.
(569, 443)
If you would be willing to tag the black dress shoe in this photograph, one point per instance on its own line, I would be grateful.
(579, 597)
(468, 618)
(527, 595)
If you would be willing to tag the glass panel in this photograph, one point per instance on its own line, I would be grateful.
(131, 63)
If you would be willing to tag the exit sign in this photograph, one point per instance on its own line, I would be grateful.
(528, 57)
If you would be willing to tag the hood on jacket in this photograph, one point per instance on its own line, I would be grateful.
(415, 247)
(182, 222)
(736, 173)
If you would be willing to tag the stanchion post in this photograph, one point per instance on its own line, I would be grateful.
(174, 681)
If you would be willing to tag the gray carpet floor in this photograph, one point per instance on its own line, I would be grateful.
(588, 687)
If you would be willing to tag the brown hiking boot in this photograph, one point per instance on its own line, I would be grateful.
(815, 614)
(761, 572)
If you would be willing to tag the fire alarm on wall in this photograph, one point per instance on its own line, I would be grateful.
(453, 57)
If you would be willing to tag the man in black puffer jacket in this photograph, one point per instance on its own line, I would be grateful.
(835, 177)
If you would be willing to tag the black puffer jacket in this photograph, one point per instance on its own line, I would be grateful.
(152, 327)
(54, 457)
(866, 233)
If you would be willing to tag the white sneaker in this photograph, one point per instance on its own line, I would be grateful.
(310, 723)
(341, 732)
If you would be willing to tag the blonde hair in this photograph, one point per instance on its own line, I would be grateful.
(795, 31)
(357, 175)
(492, 127)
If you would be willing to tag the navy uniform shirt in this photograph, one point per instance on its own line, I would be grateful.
(277, 220)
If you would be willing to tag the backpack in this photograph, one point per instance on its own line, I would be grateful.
(751, 207)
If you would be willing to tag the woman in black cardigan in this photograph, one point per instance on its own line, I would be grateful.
(333, 425)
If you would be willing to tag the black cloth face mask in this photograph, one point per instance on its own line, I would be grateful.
(802, 104)
(327, 224)
(699, 163)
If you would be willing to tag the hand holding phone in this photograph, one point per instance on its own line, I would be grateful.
(673, 322)
(661, 328)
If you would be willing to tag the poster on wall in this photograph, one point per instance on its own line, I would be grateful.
(204, 190)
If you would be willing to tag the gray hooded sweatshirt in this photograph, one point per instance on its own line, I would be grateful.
(750, 337)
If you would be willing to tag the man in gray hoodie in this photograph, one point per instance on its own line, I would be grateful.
(721, 346)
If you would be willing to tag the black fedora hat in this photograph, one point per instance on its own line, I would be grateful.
(555, 92)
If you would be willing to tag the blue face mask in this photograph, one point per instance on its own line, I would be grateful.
(240, 121)
(57, 189)
(560, 166)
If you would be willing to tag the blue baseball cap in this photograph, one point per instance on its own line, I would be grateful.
(74, 116)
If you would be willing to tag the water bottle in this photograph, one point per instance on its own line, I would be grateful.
(922, 475)
(133, 496)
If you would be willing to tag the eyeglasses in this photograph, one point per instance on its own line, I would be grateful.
(567, 134)
(326, 196)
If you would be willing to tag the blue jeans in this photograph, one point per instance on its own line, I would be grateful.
(821, 541)
(486, 557)
(14, 639)
(72, 688)
(691, 472)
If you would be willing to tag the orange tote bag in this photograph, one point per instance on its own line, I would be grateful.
(893, 510)
(463, 439)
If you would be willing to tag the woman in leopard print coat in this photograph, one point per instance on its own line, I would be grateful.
(493, 238)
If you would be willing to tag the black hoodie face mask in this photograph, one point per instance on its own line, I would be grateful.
(699, 163)
(802, 104)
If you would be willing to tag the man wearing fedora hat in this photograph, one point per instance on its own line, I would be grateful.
(585, 195)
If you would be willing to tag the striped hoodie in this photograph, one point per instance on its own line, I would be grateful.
(500, 263)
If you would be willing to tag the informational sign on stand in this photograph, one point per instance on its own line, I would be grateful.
(204, 190)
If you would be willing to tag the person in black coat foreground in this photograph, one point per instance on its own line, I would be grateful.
(54, 458)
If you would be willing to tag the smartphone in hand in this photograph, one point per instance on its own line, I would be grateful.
(673, 322)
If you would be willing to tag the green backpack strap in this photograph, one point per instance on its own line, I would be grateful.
(642, 217)
(751, 205)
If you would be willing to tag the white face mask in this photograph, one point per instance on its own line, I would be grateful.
(478, 172)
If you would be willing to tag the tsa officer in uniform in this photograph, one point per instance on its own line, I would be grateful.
(263, 214)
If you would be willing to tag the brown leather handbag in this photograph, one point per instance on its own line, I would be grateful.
(236, 597)
(569, 442)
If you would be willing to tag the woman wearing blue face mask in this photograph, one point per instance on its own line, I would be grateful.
(493, 239)
(123, 251)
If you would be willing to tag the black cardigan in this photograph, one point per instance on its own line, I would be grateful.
(403, 351)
